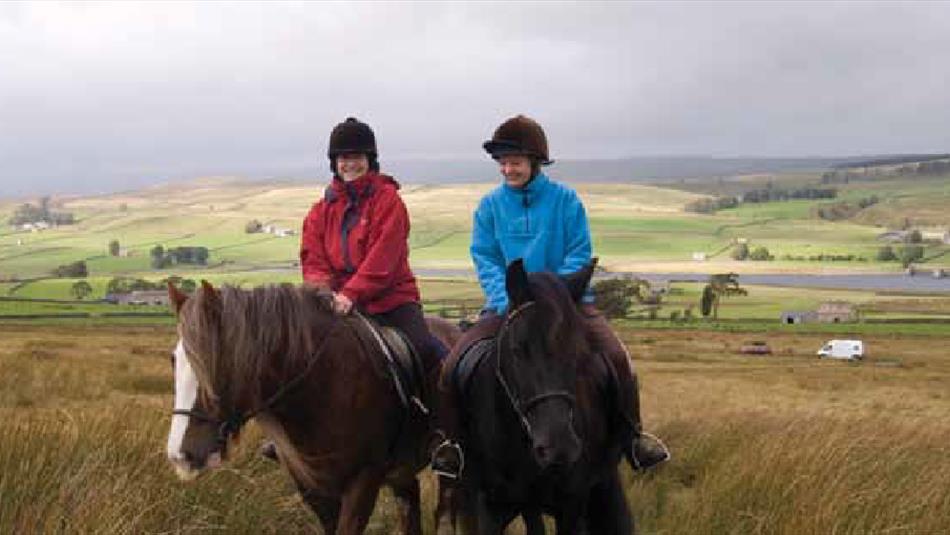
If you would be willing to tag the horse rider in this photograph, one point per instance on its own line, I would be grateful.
(355, 242)
(532, 217)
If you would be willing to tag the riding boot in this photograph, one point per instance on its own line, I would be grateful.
(448, 460)
(642, 450)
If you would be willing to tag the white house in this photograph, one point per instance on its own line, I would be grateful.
(277, 231)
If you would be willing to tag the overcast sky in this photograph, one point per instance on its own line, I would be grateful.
(102, 95)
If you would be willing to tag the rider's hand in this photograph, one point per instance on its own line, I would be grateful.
(342, 304)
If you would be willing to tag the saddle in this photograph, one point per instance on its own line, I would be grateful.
(469, 361)
(401, 363)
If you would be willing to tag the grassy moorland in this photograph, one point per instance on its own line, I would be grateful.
(781, 444)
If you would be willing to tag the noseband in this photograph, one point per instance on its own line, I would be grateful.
(233, 423)
(523, 407)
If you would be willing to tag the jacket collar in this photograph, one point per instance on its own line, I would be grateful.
(533, 186)
(363, 186)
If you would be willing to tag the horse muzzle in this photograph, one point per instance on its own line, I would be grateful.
(556, 451)
(188, 467)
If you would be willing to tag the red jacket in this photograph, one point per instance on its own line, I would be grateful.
(373, 269)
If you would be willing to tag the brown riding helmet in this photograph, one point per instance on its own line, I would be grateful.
(519, 135)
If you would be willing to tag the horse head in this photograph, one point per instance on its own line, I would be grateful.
(200, 429)
(539, 347)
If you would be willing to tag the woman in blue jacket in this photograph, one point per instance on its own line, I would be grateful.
(542, 222)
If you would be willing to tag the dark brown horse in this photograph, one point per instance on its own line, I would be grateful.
(313, 383)
(537, 431)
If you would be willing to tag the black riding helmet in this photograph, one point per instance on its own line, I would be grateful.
(353, 136)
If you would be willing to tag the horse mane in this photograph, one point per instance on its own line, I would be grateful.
(565, 328)
(237, 337)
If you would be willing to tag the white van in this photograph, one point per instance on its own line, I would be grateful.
(842, 349)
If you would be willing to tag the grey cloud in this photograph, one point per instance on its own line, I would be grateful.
(90, 91)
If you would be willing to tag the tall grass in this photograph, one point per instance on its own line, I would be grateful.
(760, 473)
(783, 445)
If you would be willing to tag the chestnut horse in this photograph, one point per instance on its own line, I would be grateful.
(313, 383)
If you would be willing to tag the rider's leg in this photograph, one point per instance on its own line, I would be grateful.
(642, 450)
(409, 319)
(447, 458)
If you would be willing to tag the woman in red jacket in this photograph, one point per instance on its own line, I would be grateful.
(355, 240)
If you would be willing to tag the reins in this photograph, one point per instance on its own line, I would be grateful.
(522, 408)
(233, 422)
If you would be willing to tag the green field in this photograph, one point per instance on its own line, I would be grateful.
(634, 227)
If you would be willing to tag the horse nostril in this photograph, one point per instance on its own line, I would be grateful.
(541, 453)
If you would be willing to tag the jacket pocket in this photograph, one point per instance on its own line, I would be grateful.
(529, 246)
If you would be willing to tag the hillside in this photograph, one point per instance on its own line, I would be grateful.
(635, 227)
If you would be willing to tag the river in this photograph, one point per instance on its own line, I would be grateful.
(892, 282)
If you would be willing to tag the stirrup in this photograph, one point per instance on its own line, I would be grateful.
(637, 464)
(442, 471)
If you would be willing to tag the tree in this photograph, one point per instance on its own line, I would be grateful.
(706, 301)
(886, 254)
(188, 286)
(909, 254)
(201, 255)
(253, 226)
(914, 236)
(614, 297)
(80, 290)
(158, 257)
(720, 285)
(74, 270)
(114, 248)
(760, 253)
(118, 285)
(740, 252)
(44, 206)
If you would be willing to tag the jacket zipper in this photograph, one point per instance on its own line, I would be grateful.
(526, 203)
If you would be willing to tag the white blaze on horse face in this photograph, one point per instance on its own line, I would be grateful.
(186, 392)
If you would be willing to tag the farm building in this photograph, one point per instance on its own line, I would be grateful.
(140, 297)
(794, 316)
(836, 312)
(895, 236)
(277, 231)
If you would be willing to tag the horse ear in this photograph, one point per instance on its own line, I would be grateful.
(176, 297)
(210, 294)
(516, 283)
(578, 282)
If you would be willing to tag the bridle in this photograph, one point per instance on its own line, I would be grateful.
(523, 407)
(233, 423)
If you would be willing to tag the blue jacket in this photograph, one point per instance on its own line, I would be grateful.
(543, 223)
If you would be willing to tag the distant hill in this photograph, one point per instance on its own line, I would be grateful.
(637, 169)
(891, 160)
(640, 169)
